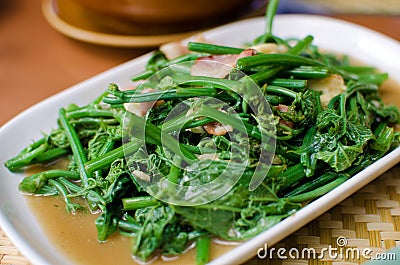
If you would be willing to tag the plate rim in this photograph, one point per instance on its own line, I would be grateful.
(236, 255)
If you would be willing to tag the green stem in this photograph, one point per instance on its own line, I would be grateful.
(143, 75)
(292, 175)
(289, 83)
(24, 159)
(301, 45)
(281, 91)
(212, 48)
(179, 93)
(76, 146)
(173, 174)
(105, 160)
(70, 185)
(99, 99)
(88, 112)
(309, 72)
(196, 123)
(361, 87)
(184, 58)
(94, 121)
(313, 184)
(307, 196)
(36, 181)
(129, 226)
(262, 76)
(249, 62)
(203, 244)
(224, 84)
(152, 134)
(50, 155)
(70, 207)
(269, 17)
(32, 146)
(107, 147)
(138, 202)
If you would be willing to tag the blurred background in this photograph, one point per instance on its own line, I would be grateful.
(152, 17)
(371, 7)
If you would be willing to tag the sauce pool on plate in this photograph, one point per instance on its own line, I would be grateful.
(76, 237)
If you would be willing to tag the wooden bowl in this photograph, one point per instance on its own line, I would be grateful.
(149, 17)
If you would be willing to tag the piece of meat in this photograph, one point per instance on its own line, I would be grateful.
(289, 124)
(175, 49)
(172, 50)
(330, 87)
(282, 108)
(141, 109)
(270, 48)
(216, 128)
(141, 175)
(218, 66)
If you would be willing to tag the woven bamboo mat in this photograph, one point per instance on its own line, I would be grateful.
(368, 219)
(9, 254)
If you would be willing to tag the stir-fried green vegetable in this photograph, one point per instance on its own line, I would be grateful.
(326, 122)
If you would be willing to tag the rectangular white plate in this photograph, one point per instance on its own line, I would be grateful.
(360, 43)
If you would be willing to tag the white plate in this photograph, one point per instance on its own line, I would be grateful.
(368, 46)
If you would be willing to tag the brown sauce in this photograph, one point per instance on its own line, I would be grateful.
(390, 92)
(76, 235)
